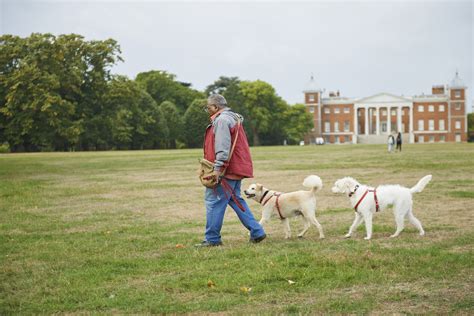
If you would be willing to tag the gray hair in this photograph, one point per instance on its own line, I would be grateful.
(218, 100)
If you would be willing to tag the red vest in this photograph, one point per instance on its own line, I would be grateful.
(240, 164)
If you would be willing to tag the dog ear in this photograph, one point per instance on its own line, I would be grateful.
(259, 187)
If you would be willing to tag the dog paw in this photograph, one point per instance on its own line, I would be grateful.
(347, 236)
(393, 236)
(422, 233)
(367, 238)
(300, 236)
(321, 237)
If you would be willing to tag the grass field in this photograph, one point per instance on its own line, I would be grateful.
(98, 233)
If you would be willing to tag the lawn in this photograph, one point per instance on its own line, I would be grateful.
(113, 232)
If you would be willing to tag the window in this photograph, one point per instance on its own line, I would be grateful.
(431, 125)
(384, 127)
(327, 110)
(441, 108)
(394, 112)
(336, 140)
(442, 138)
(347, 110)
(384, 113)
(430, 108)
(431, 139)
(457, 138)
(421, 125)
(421, 139)
(346, 126)
(458, 106)
(441, 125)
(311, 98)
(421, 108)
(457, 94)
(311, 109)
(458, 124)
(336, 110)
(336, 126)
(346, 138)
(327, 127)
(326, 139)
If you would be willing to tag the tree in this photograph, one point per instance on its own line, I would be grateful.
(49, 87)
(195, 122)
(297, 123)
(264, 110)
(174, 121)
(133, 117)
(470, 127)
(162, 86)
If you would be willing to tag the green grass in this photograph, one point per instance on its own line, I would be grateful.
(97, 233)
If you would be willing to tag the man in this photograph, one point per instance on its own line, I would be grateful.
(225, 129)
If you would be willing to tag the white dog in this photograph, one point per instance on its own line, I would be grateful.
(289, 204)
(366, 201)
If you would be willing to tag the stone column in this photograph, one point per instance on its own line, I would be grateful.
(412, 136)
(389, 120)
(377, 120)
(366, 120)
(399, 119)
(356, 126)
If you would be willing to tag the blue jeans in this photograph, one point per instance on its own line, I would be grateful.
(216, 202)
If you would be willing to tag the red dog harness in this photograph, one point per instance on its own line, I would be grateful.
(363, 196)
(277, 194)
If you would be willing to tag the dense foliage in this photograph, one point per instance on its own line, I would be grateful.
(57, 93)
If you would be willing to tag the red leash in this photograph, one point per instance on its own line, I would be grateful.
(228, 190)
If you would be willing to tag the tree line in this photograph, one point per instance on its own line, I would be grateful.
(57, 93)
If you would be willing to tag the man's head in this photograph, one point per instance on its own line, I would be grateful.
(214, 103)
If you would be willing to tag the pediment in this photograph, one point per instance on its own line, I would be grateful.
(383, 98)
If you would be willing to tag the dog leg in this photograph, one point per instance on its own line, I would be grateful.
(368, 225)
(357, 221)
(266, 214)
(286, 224)
(399, 219)
(315, 222)
(307, 225)
(415, 222)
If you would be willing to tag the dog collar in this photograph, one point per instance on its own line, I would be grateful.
(353, 192)
(263, 196)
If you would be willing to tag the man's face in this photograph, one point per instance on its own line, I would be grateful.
(212, 109)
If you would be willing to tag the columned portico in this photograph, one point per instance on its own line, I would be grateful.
(372, 107)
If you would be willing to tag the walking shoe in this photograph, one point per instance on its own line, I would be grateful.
(258, 239)
(205, 243)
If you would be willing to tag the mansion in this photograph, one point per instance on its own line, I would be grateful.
(437, 117)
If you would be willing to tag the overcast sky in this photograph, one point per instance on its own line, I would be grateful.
(359, 48)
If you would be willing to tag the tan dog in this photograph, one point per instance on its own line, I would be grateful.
(287, 205)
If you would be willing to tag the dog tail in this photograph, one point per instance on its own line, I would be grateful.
(421, 184)
(313, 182)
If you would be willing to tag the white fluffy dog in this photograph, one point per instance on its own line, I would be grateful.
(366, 201)
(289, 204)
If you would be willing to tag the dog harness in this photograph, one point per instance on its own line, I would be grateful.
(363, 196)
(277, 194)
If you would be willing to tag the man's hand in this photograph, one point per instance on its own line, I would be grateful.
(217, 175)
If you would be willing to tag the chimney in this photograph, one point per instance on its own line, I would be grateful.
(438, 89)
(338, 93)
(332, 94)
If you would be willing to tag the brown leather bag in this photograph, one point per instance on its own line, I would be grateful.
(206, 168)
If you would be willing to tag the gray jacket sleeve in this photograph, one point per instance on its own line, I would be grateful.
(223, 140)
